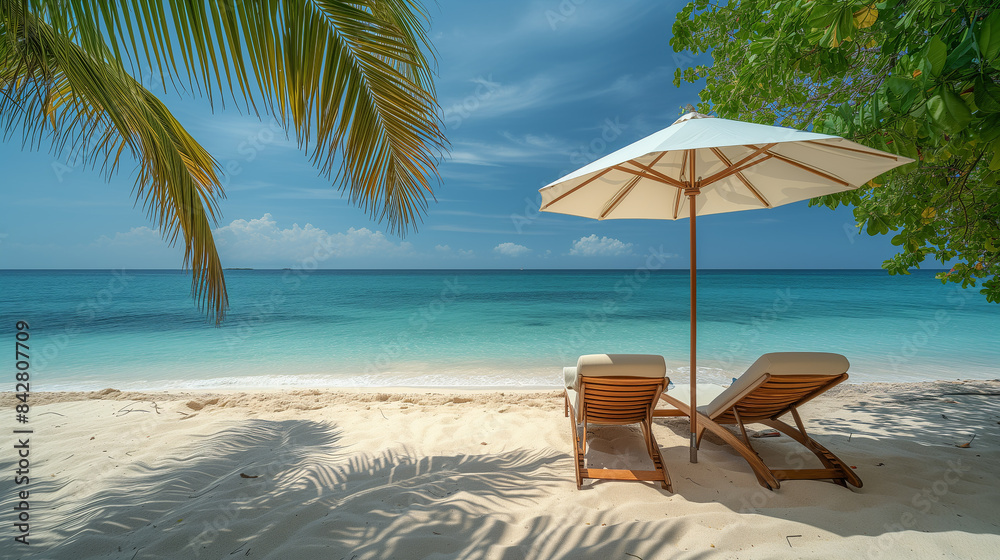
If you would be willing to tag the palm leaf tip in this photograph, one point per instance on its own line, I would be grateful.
(70, 92)
(352, 79)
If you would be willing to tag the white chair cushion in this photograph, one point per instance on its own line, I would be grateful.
(775, 363)
(615, 365)
(610, 365)
(569, 374)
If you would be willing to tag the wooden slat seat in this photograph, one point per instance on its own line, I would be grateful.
(624, 391)
(775, 385)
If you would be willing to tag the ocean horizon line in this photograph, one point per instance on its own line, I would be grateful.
(515, 269)
(482, 327)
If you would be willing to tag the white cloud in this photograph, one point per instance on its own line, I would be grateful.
(261, 240)
(447, 251)
(469, 214)
(463, 229)
(583, 17)
(545, 143)
(632, 85)
(471, 158)
(595, 141)
(322, 193)
(135, 236)
(594, 246)
(511, 249)
(494, 153)
(515, 149)
(490, 99)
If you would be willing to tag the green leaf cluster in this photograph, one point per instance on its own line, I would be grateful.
(920, 78)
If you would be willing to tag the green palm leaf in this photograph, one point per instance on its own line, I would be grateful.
(55, 90)
(349, 79)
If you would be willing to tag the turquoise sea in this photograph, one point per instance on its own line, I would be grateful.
(139, 329)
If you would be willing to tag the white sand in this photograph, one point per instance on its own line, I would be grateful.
(363, 475)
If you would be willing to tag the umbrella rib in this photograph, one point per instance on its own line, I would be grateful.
(876, 153)
(610, 207)
(691, 162)
(733, 170)
(742, 164)
(746, 182)
(652, 174)
(810, 169)
(677, 202)
(662, 176)
(576, 188)
(657, 159)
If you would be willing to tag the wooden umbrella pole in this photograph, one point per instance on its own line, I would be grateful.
(692, 193)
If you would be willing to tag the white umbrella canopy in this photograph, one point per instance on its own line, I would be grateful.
(741, 166)
(721, 166)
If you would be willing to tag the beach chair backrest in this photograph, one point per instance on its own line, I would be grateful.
(776, 382)
(619, 400)
(606, 370)
(777, 395)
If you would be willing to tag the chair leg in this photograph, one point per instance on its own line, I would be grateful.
(656, 456)
(743, 429)
(697, 439)
(743, 432)
(825, 456)
(606, 410)
(760, 470)
(577, 451)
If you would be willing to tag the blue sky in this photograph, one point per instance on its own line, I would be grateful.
(530, 90)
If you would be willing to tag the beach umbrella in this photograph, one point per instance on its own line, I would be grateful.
(718, 165)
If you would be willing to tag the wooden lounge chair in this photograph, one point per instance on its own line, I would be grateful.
(615, 389)
(774, 385)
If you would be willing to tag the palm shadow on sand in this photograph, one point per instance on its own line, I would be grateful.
(310, 491)
(906, 453)
(312, 494)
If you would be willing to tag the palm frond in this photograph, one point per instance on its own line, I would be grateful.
(83, 102)
(351, 79)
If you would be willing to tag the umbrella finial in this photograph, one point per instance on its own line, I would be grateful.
(691, 113)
